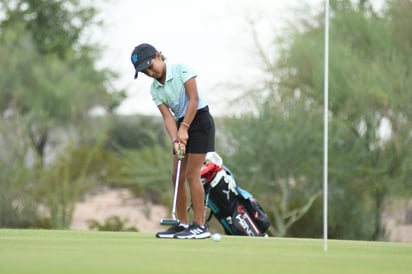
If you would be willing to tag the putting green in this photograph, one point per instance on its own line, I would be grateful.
(51, 251)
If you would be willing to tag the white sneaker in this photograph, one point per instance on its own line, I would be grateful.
(194, 231)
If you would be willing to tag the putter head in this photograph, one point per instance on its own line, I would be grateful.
(169, 222)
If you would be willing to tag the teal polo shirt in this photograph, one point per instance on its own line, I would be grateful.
(172, 93)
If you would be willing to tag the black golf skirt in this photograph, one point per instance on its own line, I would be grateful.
(201, 132)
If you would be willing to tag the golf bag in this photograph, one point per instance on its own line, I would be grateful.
(235, 208)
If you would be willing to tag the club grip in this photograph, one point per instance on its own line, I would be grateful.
(180, 154)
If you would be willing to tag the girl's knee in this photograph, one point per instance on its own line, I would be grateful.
(193, 176)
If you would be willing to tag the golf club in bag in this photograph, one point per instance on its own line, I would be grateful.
(174, 220)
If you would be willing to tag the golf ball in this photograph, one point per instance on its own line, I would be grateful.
(216, 237)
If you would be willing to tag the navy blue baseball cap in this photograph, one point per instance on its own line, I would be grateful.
(142, 56)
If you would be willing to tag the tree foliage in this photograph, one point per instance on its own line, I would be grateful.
(47, 93)
(369, 79)
(51, 75)
(369, 116)
(136, 132)
(56, 27)
(17, 205)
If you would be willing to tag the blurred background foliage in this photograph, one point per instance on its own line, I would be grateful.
(54, 149)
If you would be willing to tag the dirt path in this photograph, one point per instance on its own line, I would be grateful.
(121, 203)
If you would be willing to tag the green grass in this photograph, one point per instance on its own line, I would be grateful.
(50, 251)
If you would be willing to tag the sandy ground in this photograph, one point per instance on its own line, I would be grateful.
(121, 203)
(401, 233)
(398, 220)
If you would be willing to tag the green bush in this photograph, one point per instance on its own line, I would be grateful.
(112, 223)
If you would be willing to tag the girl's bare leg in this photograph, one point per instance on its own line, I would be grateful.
(194, 164)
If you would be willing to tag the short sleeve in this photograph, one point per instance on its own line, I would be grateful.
(186, 73)
(155, 96)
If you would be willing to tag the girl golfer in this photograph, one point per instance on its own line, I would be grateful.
(191, 128)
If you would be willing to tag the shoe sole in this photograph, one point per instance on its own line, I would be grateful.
(199, 236)
(165, 235)
(168, 236)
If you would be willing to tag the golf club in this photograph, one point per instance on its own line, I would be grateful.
(174, 220)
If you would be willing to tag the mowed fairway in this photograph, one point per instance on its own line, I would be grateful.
(50, 251)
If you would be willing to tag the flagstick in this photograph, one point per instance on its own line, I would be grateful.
(325, 143)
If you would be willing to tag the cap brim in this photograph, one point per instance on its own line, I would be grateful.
(142, 66)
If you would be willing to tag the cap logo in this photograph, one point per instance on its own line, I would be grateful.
(135, 58)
